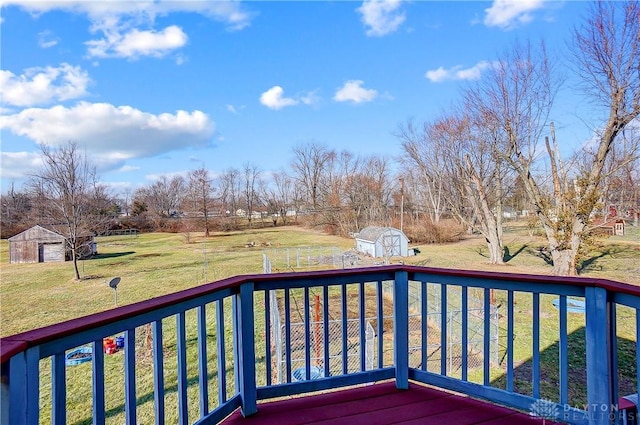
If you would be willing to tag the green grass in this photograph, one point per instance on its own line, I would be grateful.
(150, 265)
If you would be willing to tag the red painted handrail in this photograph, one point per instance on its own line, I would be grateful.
(14, 344)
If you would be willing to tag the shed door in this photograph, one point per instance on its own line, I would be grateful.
(391, 245)
(52, 252)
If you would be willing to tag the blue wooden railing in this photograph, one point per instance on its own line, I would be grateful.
(197, 355)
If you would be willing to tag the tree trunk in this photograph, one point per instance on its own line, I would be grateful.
(564, 262)
(564, 253)
(74, 257)
(496, 250)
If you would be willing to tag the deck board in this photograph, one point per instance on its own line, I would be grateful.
(382, 404)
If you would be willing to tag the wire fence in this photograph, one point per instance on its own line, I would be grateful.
(313, 258)
(447, 317)
(296, 345)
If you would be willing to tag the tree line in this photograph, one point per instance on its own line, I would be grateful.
(494, 153)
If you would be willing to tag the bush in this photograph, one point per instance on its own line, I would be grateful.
(430, 232)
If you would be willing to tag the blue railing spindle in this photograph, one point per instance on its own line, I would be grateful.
(287, 332)
(158, 371)
(613, 350)
(362, 312)
(444, 320)
(487, 337)
(325, 328)
(563, 352)
(535, 371)
(424, 322)
(267, 333)
(221, 353)
(97, 382)
(464, 305)
(307, 335)
(234, 342)
(380, 323)
(181, 337)
(58, 389)
(510, 338)
(637, 310)
(203, 378)
(130, 377)
(343, 316)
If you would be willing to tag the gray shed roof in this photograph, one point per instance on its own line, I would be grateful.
(372, 233)
(37, 233)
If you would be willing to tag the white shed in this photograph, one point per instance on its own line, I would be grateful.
(382, 242)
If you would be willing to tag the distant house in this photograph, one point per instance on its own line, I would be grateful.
(40, 245)
(610, 225)
(382, 242)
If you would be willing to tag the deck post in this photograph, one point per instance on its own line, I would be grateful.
(599, 357)
(246, 349)
(24, 388)
(401, 329)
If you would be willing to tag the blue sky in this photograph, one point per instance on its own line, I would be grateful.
(152, 87)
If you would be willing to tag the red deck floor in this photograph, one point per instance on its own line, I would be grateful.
(383, 404)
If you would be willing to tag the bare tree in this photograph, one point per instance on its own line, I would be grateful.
(230, 193)
(201, 190)
(474, 174)
(422, 156)
(282, 194)
(66, 183)
(164, 196)
(251, 182)
(308, 167)
(16, 208)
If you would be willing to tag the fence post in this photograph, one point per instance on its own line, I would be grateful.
(598, 339)
(246, 349)
(401, 329)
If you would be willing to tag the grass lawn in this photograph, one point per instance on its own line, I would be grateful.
(150, 265)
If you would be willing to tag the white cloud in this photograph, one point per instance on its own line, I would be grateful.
(310, 98)
(352, 91)
(507, 14)
(127, 168)
(127, 27)
(112, 134)
(41, 86)
(136, 43)
(232, 13)
(381, 17)
(47, 39)
(16, 164)
(458, 73)
(274, 98)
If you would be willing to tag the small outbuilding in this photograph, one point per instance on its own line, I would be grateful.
(40, 245)
(382, 242)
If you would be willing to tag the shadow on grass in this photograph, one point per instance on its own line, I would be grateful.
(111, 255)
(591, 263)
(507, 256)
(577, 376)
